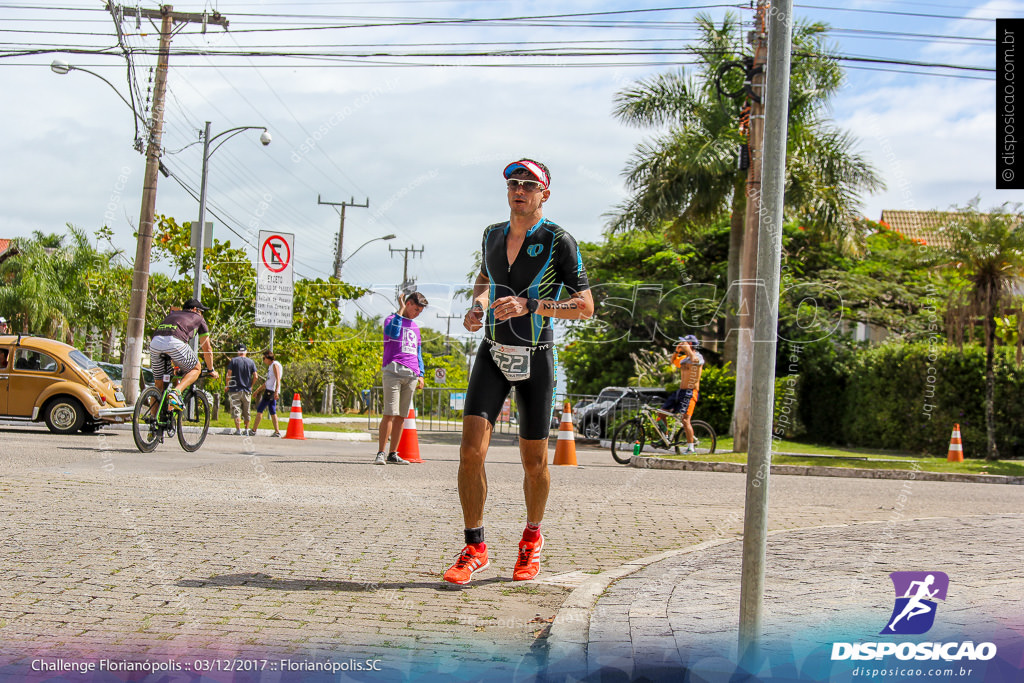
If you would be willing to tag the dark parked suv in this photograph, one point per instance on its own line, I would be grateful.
(592, 419)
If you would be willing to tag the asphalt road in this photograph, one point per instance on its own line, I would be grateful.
(299, 546)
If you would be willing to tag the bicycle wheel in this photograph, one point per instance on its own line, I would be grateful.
(704, 438)
(193, 420)
(145, 429)
(627, 434)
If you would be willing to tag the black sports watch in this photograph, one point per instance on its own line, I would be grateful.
(531, 305)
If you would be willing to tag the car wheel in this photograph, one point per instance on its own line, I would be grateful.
(592, 429)
(64, 415)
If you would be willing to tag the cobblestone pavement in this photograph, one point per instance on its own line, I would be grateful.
(300, 546)
(820, 584)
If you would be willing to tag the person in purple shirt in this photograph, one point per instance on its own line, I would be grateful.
(402, 373)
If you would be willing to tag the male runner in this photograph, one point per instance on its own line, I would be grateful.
(171, 338)
(684, 399)
(526, 263)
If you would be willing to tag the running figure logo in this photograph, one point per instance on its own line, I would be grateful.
(914, 611)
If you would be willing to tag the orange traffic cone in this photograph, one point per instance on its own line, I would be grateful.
(956, 448)
(409, 443)
(295, 430)
(565, 448)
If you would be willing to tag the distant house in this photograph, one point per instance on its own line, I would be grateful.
(5, 249)
(919, 226)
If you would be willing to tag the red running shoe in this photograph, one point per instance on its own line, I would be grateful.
(469, 562)
(528, 563)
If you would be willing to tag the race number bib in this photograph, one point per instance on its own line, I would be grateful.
(409, 341)
(513, 361)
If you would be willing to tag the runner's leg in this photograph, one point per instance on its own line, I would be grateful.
(533, 397)
(476, 437)
(536, 477)
(485, 396)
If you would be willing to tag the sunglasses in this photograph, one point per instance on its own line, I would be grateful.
(528, 185)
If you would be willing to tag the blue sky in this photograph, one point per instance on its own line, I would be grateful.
(426, 145)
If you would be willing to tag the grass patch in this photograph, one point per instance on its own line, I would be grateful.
(852, 457)
(521, 590)
(225, 420)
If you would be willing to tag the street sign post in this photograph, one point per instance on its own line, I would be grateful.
(275, 280)
(440, 375)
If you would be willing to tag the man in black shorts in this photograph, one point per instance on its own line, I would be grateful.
(527, 262)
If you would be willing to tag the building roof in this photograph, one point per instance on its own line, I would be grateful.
(919, 226)
(4, 245)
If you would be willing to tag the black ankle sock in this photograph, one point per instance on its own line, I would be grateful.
(474, 536)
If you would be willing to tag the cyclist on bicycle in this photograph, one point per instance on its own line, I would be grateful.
(684, 399)
(171, 340)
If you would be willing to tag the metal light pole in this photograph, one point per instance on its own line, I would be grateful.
(328, 399)
(766, 323)
(197, 285)
(342, 262)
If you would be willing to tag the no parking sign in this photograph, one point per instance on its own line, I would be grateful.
(275, 279)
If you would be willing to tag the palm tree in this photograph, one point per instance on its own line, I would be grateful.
(47, 284)
(31, 296)
(688, 176)
(988, 250)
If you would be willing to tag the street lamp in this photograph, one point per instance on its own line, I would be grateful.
(59, 66)
(140, 269)
(265, 140)
(375, 239)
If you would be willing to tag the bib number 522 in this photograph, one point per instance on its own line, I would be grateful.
(514, 362)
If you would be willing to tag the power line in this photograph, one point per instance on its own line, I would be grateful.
(896, 13)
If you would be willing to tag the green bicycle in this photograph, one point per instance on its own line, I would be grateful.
(645, 427)
(153, 419)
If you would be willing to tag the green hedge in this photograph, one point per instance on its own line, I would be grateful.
(714, 403)
(908, 397)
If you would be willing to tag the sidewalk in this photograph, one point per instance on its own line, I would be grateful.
(681, 608)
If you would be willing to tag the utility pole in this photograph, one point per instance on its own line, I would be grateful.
(341, 228)
(134, 337)
(406, 282)
(448, 331)
(748, 258)
(766, 324)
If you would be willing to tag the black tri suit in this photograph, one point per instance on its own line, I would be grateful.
(518, 352)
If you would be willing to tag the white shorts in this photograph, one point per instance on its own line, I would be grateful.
(181, 354)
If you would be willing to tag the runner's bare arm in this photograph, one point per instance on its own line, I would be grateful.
(473, 320)
(579, 306)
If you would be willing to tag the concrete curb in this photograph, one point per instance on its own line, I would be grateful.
(310, 435)
(570, 630)
(569, 636)
(822, 471)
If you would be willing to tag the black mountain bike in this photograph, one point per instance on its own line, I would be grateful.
(153, 419)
